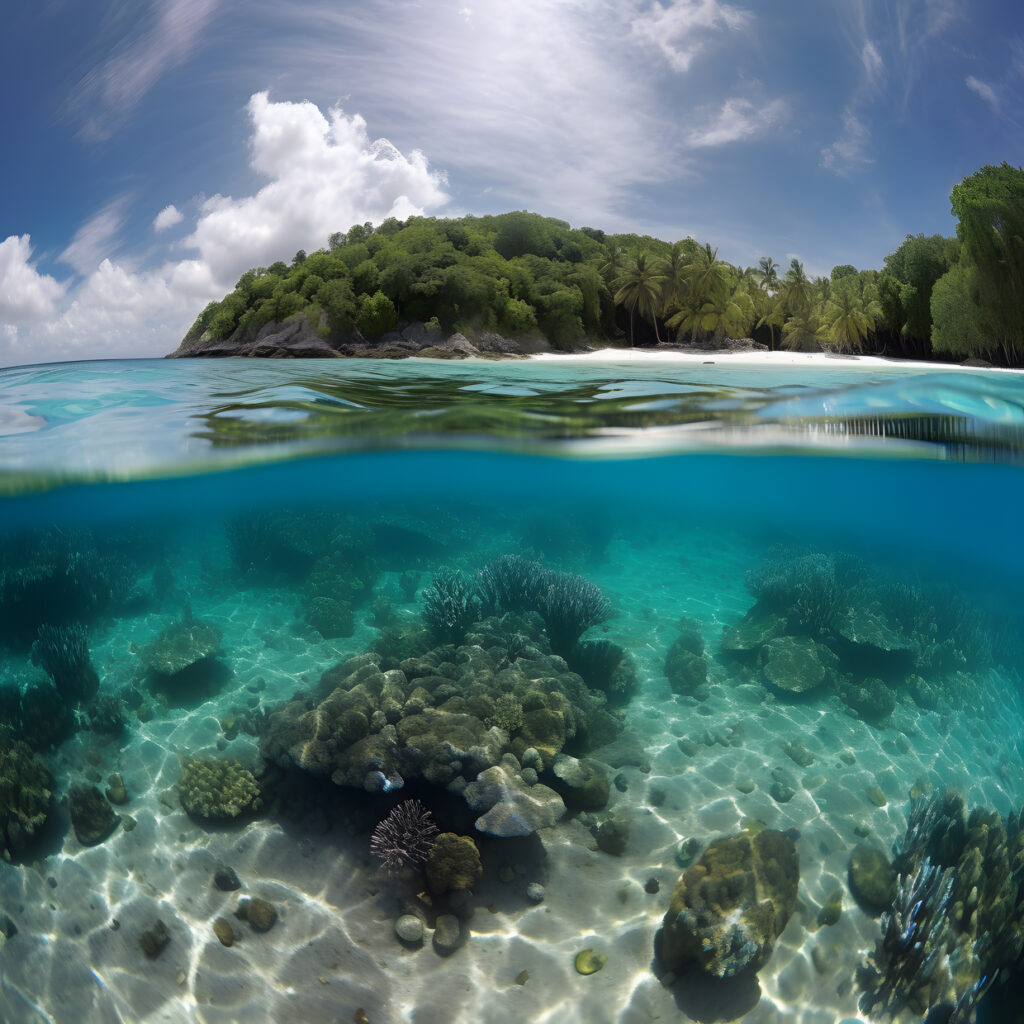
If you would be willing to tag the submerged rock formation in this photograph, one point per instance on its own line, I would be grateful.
(729, 908)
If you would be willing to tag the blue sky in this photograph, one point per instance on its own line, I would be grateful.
(152, 154)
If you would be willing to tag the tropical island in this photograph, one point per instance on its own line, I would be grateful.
(518, 283)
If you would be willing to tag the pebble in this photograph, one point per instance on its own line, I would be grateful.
(225, 879)
(223, 930)
(409, 928)
(446, 934)
(260, 914)
(876, 796)
(153, 941)
(781, 792)
(651, 886)
(745, 785)
(536, 892)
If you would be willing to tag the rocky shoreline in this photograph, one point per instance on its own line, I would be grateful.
(295, 340)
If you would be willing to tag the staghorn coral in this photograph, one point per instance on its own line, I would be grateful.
(512, 583)
(63, 654)
(214, 789)
(450, 605)
(569, 606)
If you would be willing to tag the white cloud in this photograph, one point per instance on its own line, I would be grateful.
(681, 28)
(108, 93)
(97, 238)
(325, 175)
(25, 294)
(850, 149)
(985, 91)
(737, 120)
(523, 97)
(167, 218)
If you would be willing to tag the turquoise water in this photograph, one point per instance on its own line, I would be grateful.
(807, 604)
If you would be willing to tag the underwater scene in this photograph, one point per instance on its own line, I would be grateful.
(547, 690)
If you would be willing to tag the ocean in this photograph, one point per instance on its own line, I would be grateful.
(577, 690)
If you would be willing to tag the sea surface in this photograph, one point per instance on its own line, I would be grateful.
(592, 616)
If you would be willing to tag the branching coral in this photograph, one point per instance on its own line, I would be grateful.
(570, 606)
(450, 605)
(63, 653)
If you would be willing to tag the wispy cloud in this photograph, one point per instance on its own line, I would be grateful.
(97, 237)
(984, 90)
(109, 92)
(680, 29)
(850, 149)
(738, 120)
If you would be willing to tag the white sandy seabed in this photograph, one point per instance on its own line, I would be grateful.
(333, 955)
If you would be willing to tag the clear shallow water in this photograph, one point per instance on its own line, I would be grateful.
(243, 497)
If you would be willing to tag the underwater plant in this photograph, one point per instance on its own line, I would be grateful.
(450, 605)
(63, 654)
(405, 837)
(569, 607)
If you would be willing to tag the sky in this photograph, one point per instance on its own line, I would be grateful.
(154, 150)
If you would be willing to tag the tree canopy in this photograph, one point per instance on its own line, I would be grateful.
(524, 275)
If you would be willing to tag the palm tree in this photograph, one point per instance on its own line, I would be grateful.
(800, 332)
(797, 288)
(775, 317)
(639, 287)
(851, 313)
(674, 268)
(611, 263)
(768, 271)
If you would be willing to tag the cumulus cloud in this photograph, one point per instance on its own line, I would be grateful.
(109, 92)
(25, 294)
(325, 175)
(984, 90)
(167, 218)
(850, 149)
(680, 29)
(737, 120)
(97, 237)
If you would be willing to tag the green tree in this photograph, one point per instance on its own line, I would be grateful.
(639, 288)
(376, 315)
(851, 313)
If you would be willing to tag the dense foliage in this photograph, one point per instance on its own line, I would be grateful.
(523, 275)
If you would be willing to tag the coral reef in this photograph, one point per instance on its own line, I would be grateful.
(214, 789)
(26, 795)
(405, 837)
(462, 717)
(570, 606)
(827, 623)
(729, 908)
(182, 663)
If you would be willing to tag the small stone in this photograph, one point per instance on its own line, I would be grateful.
(589, 962)
(522, 977)
(830, 912)
(688, 746)
(128, 822)
(621, 782)
(612, 836)
(447, 932)
(181, 977)
(260, 914)
(799, 753)
(652, 885)
(781, 792)
(536, 892)
(847, 757)
(531, 758)
(876, 796)
(360, 1017)
(153, 941)
(116, 792)
(862, 829)
(409, 928)
(225, 879)
(872, 878)
(223, 930)
(746, 785)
